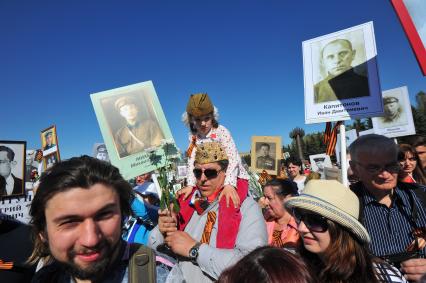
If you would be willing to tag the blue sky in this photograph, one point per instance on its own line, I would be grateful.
(246, 54)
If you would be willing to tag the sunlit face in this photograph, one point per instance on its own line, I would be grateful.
(421, 152)
(315, 242)
(5, 164)
(409, 163)
(129, 111)
(378, 171)
(293, 170)
(391, 109)
(264, 150)
(337, 57)
(83, 228)
(274, 204)
(208, 186)
(203, 124)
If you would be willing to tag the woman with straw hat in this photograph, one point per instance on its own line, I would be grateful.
(335, 244)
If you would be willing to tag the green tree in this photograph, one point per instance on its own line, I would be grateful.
(296, 135)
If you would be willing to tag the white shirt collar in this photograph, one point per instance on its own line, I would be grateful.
(10, 183)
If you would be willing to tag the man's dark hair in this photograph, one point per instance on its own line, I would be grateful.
(77, 172)
(418, 141)
(294, 160)
(223, 165)
(283, 188)
(265, 144)
(10, 153)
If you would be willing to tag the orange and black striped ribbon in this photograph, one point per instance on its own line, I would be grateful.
(276, 239)
(191, 146)
(6, 264)
(264, 177)
(327, 132)
(211, 219)
(332, 139)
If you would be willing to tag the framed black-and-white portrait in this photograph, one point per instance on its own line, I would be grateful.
(12, 168)
(340, 75)
(397, 119)
(265, 153)
(100, 152)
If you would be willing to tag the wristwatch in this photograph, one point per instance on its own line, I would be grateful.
(193, 252)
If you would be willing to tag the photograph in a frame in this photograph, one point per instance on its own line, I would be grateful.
(131, 122)
(100, 152)
(12, 168)
(49, 140)
(134, 128)
(265, 154)
(340, 75)
(50, 160)
(398, 118)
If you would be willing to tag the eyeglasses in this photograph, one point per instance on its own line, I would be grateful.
(376, 169)
(209, 173)
(314, 222)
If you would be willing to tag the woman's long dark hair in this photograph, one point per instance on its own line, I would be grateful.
(418, 173)
(345, 260)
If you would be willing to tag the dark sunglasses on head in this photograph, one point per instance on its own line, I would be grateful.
(209, 173)
(314, 222)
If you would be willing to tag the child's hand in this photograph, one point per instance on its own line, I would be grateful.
(230, 193)
(185, 192)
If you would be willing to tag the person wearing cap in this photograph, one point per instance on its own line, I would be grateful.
(335, 244)
(201, 118)
(394, 113)
(205, 239)
(48, 137)
(342, 82)
(393, 212)
(136, 135)
(101, 152)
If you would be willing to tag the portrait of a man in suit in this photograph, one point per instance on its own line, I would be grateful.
(12, 185)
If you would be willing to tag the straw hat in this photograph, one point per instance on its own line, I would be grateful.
(335, 202)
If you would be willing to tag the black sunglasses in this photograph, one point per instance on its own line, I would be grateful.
(314, 222)
(209, 173)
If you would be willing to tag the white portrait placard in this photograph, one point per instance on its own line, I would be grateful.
(397, 120)
(340, 76)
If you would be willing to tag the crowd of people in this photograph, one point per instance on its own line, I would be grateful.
(88, 224)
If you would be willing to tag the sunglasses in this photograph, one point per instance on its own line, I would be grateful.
(314, 222)
(209, 173)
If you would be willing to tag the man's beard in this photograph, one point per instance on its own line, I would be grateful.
(96, 269)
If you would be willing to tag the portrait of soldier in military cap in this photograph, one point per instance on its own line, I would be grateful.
(136, 133)
(394, 113)
(397, 117)
(100, 152)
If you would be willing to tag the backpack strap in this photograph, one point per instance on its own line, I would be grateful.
(142, 266)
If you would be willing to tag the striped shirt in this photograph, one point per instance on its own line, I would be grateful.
(390, 228)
